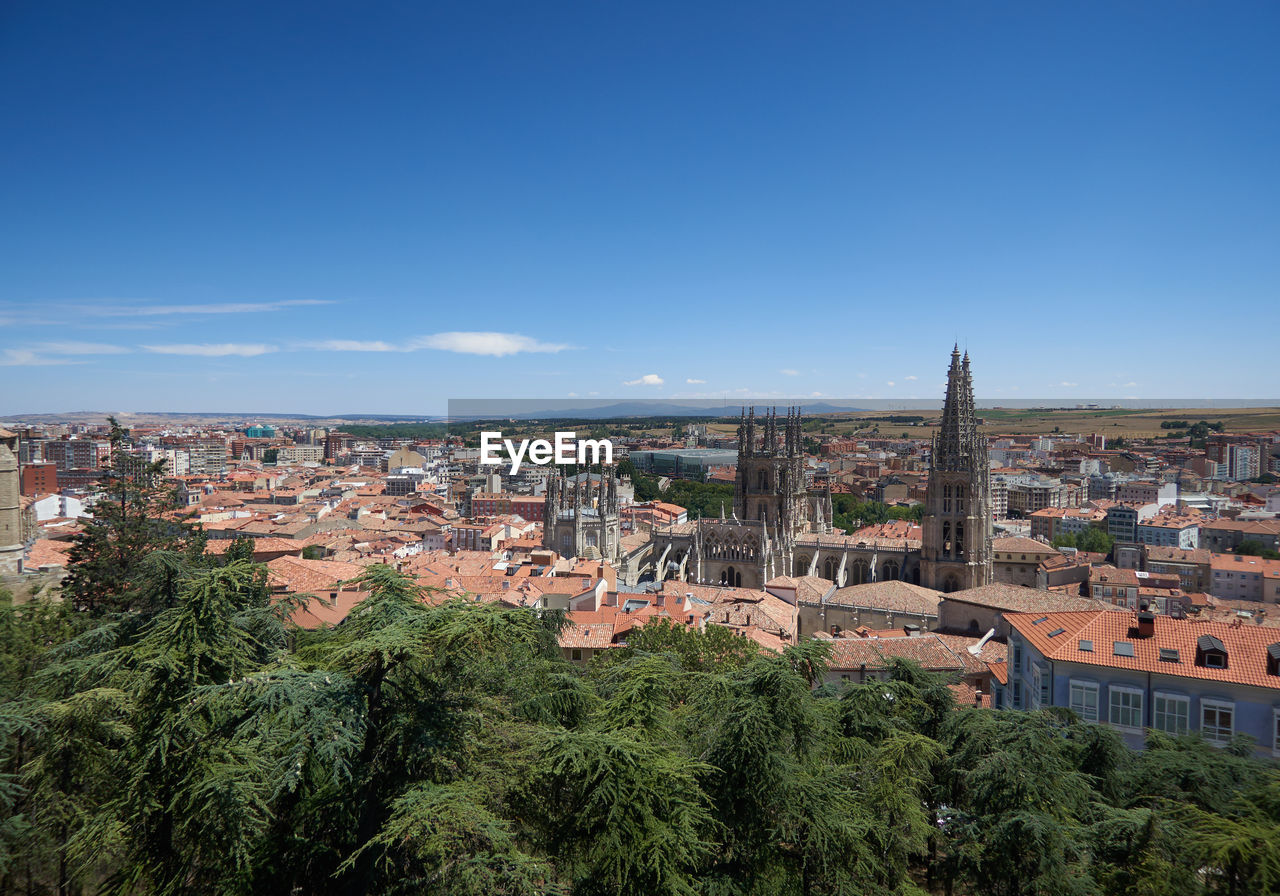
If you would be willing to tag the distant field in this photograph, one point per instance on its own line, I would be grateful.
(1110, 422)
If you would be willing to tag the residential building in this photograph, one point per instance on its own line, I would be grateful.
(1015, 560)
(1122, 520)
(1240, 577)
(1143, 491)
(1138, 672)
(1222, 536)
(1190, 566)
(1170, 530)
(39, 479)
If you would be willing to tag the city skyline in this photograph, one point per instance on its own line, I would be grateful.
(375, 210)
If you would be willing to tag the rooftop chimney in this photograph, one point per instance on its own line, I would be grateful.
(1146, 624)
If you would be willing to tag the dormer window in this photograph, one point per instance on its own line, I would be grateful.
(1211, 652)
(1273, 659)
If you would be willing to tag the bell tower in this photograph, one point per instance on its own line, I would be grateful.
(10, 506)
(771, 484)
(956, 550)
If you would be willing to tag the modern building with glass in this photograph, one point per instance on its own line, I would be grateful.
(686, 463)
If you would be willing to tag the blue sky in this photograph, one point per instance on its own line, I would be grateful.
(341, 207)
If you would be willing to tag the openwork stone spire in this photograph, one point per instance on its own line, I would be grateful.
(957, 445)
(956, 544)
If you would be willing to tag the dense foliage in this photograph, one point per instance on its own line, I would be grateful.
(1091, 539)
(183, 737)
(852, 513)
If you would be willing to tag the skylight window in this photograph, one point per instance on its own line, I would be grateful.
(1086, 646)
(1122, 648)
(1040, 620)
(1169, 655)
(1056, 632)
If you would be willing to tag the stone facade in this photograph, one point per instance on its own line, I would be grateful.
(956, 553)
(583, 519)
(781, 528)
(10, 506)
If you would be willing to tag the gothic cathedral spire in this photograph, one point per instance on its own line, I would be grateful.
(956, 550)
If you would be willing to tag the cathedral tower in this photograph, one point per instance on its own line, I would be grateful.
(956, 551)
(583, 519)
(10, 507)
(771, 485)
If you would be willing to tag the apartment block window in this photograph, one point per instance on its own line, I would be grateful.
(1217, 720)
(1017, 693)
(1126, 707)
(1275, 732)
(1042, 686)
(1037, 677)
(1084, 700)
(1172, 713)
(1017, 655)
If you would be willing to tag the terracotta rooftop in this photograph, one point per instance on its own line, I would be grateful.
(1246, 645)
(899, 597)
(1016, 599)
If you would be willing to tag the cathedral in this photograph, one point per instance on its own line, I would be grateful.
(779, 527)
(956, 550)
(583, 519)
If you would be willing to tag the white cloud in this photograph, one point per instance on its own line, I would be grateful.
(219, 350)
(911, 377)
(215, 308)
(481, 343)
(25, 357)
(352, 345)
(38, 355)
(649, 379)
(1130, 385)
(467, 343)
(787, 371)
(79, 348)
(890, 383)
(1068, 385)
(693, 382)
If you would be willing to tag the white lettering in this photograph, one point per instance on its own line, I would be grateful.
(516, 455)
(595, 446)
(564, 448)
(541, 452)
(490, 442)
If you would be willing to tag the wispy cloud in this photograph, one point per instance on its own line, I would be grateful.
(480, 343)
(134, 310)
(466, 343)
(1067, 385)
(787, 371)
(890, 383)
(80, 348)
(25, 357)
(353, 345)
(694, 382)
(38, 355)
(215, 350)
(649, 379)
(912, 377)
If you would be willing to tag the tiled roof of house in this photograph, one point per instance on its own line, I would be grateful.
(1246, 645)
(1017, 599)
(1015, 544)
(893, 595)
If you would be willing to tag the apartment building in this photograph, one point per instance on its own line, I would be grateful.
(1140, 672)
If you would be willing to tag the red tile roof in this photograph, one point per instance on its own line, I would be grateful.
(1246, 644)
